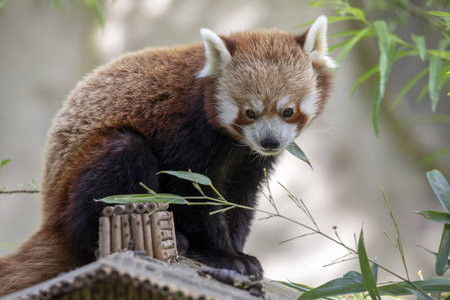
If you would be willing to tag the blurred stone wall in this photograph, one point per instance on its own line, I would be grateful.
(44, 52)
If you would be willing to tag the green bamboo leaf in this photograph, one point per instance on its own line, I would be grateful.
(366, 32)
(439, 14)
(327, 3)
(97, 8)
(374, 270)
(437, 74)
(376, 107)
(422, 93)
(444, 252)
(350, 283)
(366, 271)
(435, 216)
(434, 253)
(364, 78)
(337, 46)
(335, 19)
(4, 162)
(191, 176)
(386, 44)
(430, 158)
(429, 119)
(144, 198)
(420, 43)
(440, 188)
(222, 210)
(295, 150)
(431, 285)
(345, 33)
(434, 80)
(407, 87)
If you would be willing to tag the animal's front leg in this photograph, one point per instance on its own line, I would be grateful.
(208, 239)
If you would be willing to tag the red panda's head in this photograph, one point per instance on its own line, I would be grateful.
(267, 85)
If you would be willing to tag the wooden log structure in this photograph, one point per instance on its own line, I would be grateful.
(141, 227)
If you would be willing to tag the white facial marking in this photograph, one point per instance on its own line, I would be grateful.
(309, 105)
(256, 104)
(282, 103)
(227, 112)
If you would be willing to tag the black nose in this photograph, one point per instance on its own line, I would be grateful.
(270, 143)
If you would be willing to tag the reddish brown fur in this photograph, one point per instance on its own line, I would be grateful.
(143, 90)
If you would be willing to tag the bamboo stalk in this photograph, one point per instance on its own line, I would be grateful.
(108, 211)
(66, 286)
(121, 291)
(126, 278)
(133, 293)
(119, 209)
(141, 208)
(173, 233)
(55, 289)
(145, 294)
(79, 282)
(116, 235)
(164, 215)
(105, 237)
(163, 206)
(86, 293)
(90, 278)
(168, 244)
(126, 236)
(98, 291)
(147, 234)
(151, 207)
(109, 291)
(164, 225)
(130, 207)
(166, 235)
(156, 235)
(103, 273)
(64, 297)
(137, 232)
(170, 254)
(75, 295)
(45, 294)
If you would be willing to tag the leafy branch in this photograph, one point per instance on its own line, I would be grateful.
(393, 48)
(20, 190)
(352, 282)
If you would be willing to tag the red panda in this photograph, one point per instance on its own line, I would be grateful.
(225, 108)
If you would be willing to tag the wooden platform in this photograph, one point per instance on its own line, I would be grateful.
(132, 275)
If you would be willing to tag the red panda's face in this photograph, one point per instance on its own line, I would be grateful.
(264, 104)
(268, 85)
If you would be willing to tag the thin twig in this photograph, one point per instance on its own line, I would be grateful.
(19, 192)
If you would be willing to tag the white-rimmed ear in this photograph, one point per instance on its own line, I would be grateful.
(216, 52)
(316, 41)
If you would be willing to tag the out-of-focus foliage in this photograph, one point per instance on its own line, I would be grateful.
(94, 5)
(382, 21)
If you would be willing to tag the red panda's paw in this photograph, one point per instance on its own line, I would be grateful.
(252, 265)
(242, 263)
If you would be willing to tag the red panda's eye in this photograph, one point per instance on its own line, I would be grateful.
(287, 112)
(250, 114)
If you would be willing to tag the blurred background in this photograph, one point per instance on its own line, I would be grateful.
(45, 51)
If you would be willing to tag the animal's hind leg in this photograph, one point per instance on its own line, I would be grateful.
(112, 163)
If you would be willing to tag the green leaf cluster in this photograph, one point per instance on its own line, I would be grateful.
(392, 48)
(357, 284)
(441, 189)
(94, 5)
